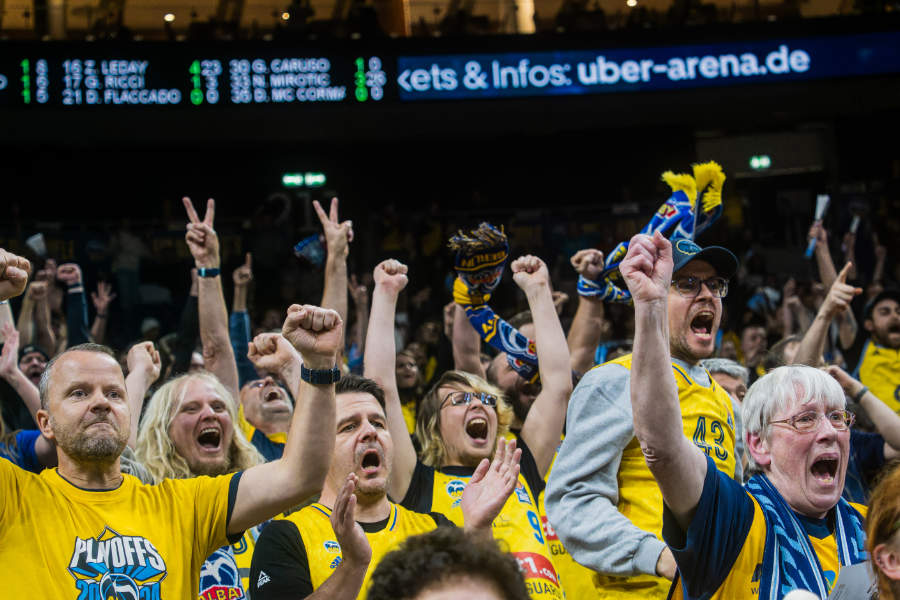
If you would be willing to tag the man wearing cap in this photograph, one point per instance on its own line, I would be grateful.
(879, 363)
(601, 497)
(32, 362)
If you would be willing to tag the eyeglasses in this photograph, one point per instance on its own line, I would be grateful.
(458, 398)
(809, 420)
(690, 286)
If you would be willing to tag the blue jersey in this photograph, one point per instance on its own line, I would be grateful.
(20, 450)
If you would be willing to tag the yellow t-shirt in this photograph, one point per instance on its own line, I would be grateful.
(708, 420)
(409, 415)
(517, 528)
(879, 368)
(140, 541)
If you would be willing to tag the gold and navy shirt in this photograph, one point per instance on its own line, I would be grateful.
(517, 528)
(296, 554)
(879, 368)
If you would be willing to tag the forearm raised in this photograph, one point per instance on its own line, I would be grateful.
(676, 464)
(466, 344)
(585, 333)
(812, 346)
(217, 351)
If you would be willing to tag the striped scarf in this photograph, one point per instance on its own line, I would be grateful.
(789, 562)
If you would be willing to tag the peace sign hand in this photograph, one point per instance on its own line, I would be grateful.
(338, 235)
(201, 238)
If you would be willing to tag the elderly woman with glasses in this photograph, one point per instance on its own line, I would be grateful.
(788, 527)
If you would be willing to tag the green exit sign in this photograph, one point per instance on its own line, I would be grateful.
(309, 179)
(758, 163)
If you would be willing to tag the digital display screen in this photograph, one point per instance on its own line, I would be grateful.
(559, 73)
(192, 78)
(175, 76)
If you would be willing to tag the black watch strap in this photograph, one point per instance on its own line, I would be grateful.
(320, 376)
(208, 272)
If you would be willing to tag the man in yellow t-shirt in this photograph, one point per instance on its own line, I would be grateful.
(879, 363)
(330, 548)
(600, 475)
(91, 531)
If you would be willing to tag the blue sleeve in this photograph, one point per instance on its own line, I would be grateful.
(706, 552)
(25, 439)
(77, 318)
(239, 331)
(868, 451)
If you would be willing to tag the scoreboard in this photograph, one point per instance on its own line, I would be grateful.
(151, 75)
(195, 77)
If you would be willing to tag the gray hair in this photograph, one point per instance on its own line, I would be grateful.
(781, 388)
(726, 366)
(44, 385)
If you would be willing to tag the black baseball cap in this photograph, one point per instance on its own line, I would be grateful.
(30, 348)
(722, 260)
(887, 294)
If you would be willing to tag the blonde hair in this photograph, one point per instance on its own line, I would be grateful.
(428, 422)
(155, 448)
(882, 524)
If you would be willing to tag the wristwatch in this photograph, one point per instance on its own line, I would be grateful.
(208, 272)
(320, 376)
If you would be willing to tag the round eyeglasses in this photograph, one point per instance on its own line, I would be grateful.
(458, 398)
(690, 286)
(809, 420)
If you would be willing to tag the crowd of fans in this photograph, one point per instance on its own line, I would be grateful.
(724, 429)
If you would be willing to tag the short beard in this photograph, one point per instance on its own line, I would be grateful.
(211, 469)
(681, 350)
(97, 450)
(884, 340)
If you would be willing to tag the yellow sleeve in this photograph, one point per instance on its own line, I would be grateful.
(211, 499)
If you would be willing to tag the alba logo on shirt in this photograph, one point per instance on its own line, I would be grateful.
(455, 489)
(220, 578)
(117, 567)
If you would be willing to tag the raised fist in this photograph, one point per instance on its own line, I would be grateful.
(143, 357)
(390, 275)
(530, 272)
(272, 353)
(588, 263)
(37, 291)
(315, 332)
(647, 267)
(14, 271)
(201, 238)
(69, 273)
